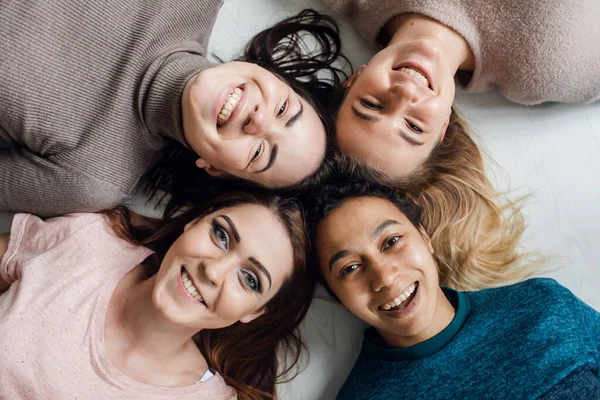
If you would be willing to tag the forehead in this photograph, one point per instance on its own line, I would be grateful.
(354, 222)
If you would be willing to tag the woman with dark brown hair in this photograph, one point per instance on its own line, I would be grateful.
(118, 305)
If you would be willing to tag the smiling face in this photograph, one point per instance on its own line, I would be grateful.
(382, 269)
(398, 107)
(224, 268)
(244, 121)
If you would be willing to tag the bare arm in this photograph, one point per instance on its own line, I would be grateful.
(3, 247)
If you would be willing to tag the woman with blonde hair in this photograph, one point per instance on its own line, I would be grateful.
(116, 305)
(398, 122)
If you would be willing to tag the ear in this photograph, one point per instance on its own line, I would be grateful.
(350, 81)
(426, 238)
(251, 317)
(212, 171)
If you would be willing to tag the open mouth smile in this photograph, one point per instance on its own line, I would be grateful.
(417, 74)
(229, 105)
(402, 301)
(189, 286)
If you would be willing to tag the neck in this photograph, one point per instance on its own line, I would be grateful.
(409, 27)
(442, 317)
(145, 328)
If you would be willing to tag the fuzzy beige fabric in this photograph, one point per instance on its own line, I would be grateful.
(533, 51)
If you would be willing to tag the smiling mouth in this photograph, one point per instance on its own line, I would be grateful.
(229, 105)
(417, 74)
(402, 301)
(189, 286)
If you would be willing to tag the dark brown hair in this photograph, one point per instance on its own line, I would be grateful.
(315, 74)
(246, 355)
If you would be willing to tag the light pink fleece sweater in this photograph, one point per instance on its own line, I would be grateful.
(63, 273)
(534, 50)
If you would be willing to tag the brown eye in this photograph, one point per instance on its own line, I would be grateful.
(390, 242)
(283, 107)
(413, 127)
(370, 105)
(257, 152)
(348, 269)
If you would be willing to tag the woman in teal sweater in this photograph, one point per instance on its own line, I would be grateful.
(533, 339)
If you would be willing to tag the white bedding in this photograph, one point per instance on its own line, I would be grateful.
(552, 151)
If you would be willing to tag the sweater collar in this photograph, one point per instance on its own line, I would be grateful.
(374, 345)
(159, 97)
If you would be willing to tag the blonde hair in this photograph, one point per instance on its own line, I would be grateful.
(474, 230)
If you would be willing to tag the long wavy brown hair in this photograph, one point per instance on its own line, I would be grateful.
(245, 355)
(474, 229)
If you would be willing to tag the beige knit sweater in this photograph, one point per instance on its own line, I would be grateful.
(89, 90)
(533, 51)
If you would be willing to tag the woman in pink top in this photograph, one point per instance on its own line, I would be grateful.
(117, 305)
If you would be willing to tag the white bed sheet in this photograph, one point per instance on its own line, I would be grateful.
(551, 151)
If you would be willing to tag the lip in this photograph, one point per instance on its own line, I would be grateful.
(408, 309)
(221, 101)
(185, 293)
(420, 68)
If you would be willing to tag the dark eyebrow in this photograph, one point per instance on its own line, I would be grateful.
(377, 231)
(296, 117)
(363, 116)
(409, 139)
(336, 257)
(272, 159)
(236, 235)
(262, 268)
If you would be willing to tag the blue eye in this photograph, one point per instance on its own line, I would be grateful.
(283, 107)
(348, 269)
(220, 235)
(370, 105)
(390, 242)
(250, 280)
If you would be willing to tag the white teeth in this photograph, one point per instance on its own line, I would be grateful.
(400, 299)
(418, 75)
(230, 102)
(189, 286)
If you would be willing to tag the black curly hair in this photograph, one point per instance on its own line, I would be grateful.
(341, 188)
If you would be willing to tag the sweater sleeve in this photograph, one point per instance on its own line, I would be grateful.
(43, 186)
(591, 321)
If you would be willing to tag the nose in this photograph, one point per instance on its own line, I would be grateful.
(216, 270)
(402, 94)
(258, 122)
(383, 274)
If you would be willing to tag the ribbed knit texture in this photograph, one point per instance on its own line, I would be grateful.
(534, 51)
(517, 342)
(89, 91)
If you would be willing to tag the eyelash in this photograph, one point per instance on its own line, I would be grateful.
(414, 128)
(258, 152)
(370, 105)
(223, 243)
(283, 107)
(254, 285)
(218, 229)
(386, 245)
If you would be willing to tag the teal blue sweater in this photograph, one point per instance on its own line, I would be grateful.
(520, 341)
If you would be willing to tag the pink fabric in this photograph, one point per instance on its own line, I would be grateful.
(63, 273)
